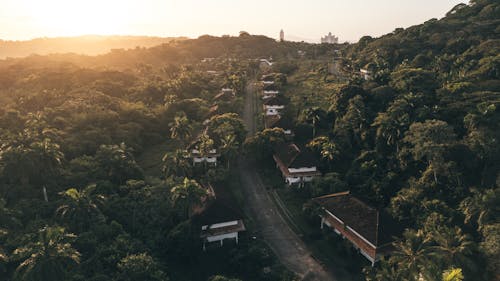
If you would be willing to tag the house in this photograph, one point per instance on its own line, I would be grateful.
(274, 105)
(225, 94)
(265, 64)
(297, 166)
(365, 74)
(269, 91)
(277, 121)
(209, 157)
(219, 221)
(199, 154)
(267, 78)
(368, 229)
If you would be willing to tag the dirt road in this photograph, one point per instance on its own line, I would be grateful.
(275, 231)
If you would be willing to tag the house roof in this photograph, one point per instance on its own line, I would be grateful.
(268, 77)
(218, 211)
(277, 100)
(225, 93)
(277, 121)
(270, 87)
(375, 226)
(291, 156)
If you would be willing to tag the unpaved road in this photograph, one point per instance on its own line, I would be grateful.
(289, 248)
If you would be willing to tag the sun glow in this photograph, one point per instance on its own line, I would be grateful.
(70, 18)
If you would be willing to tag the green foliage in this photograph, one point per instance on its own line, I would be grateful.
(140, 267)
(47, 257)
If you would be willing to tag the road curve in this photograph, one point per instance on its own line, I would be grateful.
(289, 248)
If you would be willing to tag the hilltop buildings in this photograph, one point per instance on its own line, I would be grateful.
(330, 39)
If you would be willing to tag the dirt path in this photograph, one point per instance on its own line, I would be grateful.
(289, 248)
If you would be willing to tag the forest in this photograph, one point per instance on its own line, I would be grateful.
(95, 183)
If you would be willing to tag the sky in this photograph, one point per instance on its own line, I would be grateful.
(306, 20)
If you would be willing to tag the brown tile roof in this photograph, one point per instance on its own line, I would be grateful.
(291, 156)
(375, 226)
(270, 87)
(277, 100)
(277, 121)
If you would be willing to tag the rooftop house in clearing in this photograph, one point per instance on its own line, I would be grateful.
(274, 105)
(368, 229)
(218, 222)
(297, 166)
(277, 121)
(269, 91)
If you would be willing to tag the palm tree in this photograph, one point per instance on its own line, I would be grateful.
(453, 246)
(47, 258)
(326, 148)
(392, 123)
(482, 208)
(180, 128)
(189, 194)
(176, 163)
(412, 254)
(454, 274)
(80, 208)
(314, 115)
(229, 147)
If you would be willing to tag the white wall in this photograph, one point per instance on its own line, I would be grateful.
(232, 235)
(302, 170)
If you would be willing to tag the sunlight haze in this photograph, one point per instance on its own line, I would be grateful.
(301, 20)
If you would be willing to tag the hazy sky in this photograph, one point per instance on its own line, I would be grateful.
(305, 19)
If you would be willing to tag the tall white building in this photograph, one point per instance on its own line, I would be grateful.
(330, 39)
(282, 35)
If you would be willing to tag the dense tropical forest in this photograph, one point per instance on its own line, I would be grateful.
(95, 183)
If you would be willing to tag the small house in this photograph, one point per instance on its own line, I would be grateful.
(274, 105)
(219, 221)
(369, 230)
(269, 91)
(297, 165)
(209, 157)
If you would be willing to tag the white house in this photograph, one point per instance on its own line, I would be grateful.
(210, 157)
(274, 105)
(269, 91)
(269, 94)
(297, 166)
(219, 221)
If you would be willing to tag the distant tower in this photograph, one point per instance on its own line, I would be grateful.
(282, 36)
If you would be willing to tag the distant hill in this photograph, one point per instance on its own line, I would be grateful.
(86, 45)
